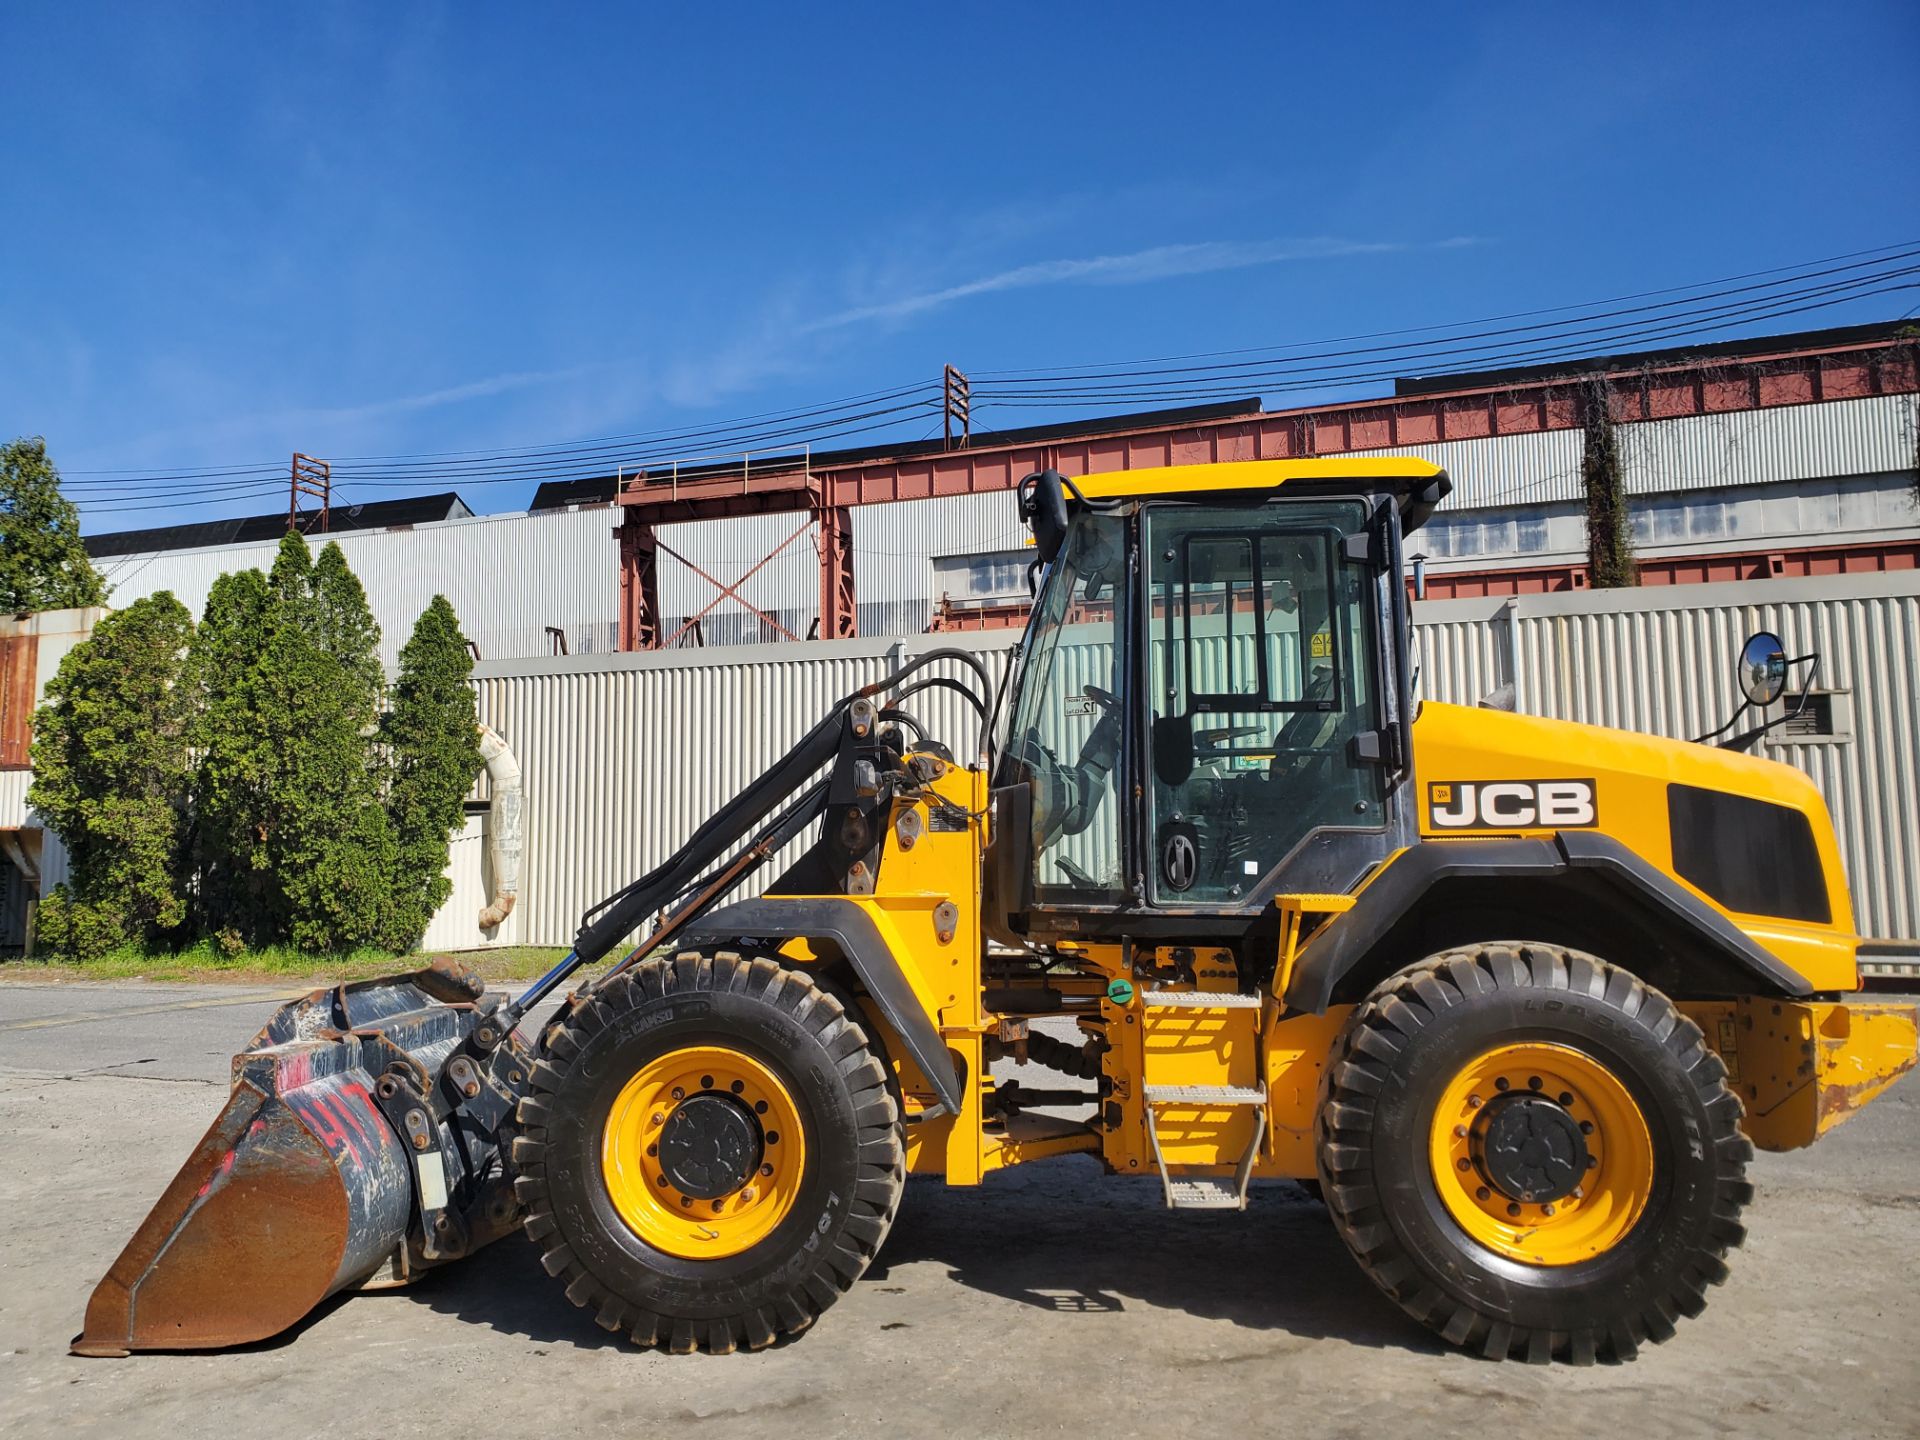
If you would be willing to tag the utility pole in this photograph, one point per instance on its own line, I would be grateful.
(312, 478)
(957, 403)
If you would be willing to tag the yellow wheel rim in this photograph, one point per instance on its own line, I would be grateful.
(1571, 1114)
(758, 1168)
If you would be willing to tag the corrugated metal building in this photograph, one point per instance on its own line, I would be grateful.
(1839, 472)
(624, 755)
(510, 577)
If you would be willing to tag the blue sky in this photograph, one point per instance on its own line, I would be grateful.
(365, 230)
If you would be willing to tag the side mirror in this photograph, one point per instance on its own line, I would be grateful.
(1043, 505)
(1763, 669)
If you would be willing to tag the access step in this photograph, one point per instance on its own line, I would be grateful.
(1204, 1192)
(1199, 999)
(1205, 1095)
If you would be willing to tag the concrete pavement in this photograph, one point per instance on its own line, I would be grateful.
(1049, 1301)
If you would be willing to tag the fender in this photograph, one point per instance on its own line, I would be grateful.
(1579, 888)
(850, 928)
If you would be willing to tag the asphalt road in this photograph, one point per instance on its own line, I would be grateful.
(1048, 1301)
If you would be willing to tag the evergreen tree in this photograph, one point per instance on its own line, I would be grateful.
(111, 779)
(345, 626)
(327, 842)
(43, 564)
(226, 681)
(434, 748)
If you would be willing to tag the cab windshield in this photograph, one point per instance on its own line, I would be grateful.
(1065, 733)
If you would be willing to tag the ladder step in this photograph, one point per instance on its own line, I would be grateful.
(1204, 1192)
(1200, 999)
(1205, 1095)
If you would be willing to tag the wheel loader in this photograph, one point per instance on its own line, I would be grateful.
(1518, 997)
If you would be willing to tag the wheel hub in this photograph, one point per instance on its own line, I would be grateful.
(703, 1153)
(1532, 1150)
(1540, 1153)
(709, 1147)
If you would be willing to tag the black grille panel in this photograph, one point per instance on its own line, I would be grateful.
(1752, 856)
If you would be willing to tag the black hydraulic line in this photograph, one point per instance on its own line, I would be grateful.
(921, 661)
(686, 871)
(701, 895)
(624, 910)
(941, 682)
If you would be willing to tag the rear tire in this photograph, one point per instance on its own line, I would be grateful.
(1447, 1098)
(667, 1200)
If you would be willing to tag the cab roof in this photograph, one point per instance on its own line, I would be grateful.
(1417, 485)
(1344, 473)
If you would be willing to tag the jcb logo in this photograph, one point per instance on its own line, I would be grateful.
(1511, 804)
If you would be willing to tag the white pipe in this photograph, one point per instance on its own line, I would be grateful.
(503, 775)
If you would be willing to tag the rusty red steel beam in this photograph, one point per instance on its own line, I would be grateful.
(732, 590)
(1669, 390)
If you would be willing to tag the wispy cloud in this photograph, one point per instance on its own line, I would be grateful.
(1161, 262)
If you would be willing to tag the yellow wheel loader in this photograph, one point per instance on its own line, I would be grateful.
(1519, 996)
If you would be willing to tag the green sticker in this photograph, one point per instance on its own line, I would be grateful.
(1121, 992)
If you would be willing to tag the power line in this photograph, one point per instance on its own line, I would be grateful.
(1676, 312)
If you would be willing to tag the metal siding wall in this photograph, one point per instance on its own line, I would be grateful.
(1755, 447)
(621, 762)
(1463, 649)
(508, 576)
(1504, 470)
(894, 544)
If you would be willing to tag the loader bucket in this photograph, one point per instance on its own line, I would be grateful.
(301, 1187)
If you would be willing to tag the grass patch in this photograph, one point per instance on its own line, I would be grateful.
(274, 965)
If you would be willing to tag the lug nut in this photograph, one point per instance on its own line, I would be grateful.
(659, 1117)
(1464, 1163)
(766, 1170)
(773, 1137)
(759, 1107)
(1566, 1097)
(706, 1082)
(1483, 1193)
(1513, 1209)
(1460, 1131)
(679, 1093)
(1593, 1162)
(686, 1202)
(1586, 1127)
(1502, 1083)
(745, 1196)
(1546, 1209)
(1474, 1102)
(1533, 1082)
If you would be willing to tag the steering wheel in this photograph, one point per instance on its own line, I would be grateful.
(1105, 699)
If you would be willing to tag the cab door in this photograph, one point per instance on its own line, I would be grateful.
(1264, 679)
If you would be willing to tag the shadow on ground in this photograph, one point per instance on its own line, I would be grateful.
(1057, 1236)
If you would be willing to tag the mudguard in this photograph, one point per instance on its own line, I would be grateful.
(847, 927)
(1578, 888)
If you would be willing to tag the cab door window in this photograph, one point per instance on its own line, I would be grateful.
(1260, 675)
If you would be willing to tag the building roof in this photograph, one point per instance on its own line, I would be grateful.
(1799, 341)
(252, 529)
(598, 490)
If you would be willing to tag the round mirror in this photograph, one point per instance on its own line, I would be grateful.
(1763, 669)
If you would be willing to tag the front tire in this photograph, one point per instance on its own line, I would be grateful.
(710, 1154)
(1533, 1153)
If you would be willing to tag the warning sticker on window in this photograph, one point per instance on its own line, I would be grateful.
(1322, 645)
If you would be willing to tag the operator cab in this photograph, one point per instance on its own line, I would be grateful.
(1235, 658)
